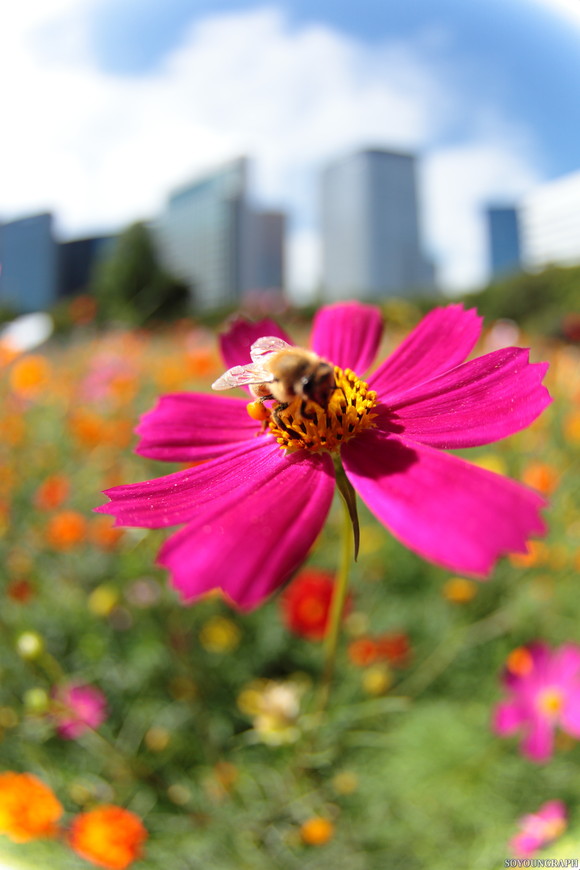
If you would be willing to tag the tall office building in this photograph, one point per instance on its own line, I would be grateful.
(551, 223)
(213, 238)
(28, 264)
(371, 246)
(267, 250)
(503, 233)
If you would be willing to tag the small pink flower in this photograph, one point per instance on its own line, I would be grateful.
(543, 693)
(539, 829)
(252, 512)
(77, 709)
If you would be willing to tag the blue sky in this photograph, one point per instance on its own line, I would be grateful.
(113, 102)
(524, 55)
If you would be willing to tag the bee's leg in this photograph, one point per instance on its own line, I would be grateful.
(281, 406)
(308, 415)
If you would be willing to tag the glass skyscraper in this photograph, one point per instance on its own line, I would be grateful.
(213, 238)
(503, 233)
(29, 264)
(371, 246)
(202, 235)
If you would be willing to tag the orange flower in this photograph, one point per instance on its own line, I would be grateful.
(201, 362)
(540, 476)
(317, 831)
(52, 492)
(520, 661)
(7, 353)
(88, 429)
(537, 554)
(104, 534)
(29, 375)
(572, 427)
(66, 529)
(362, 652)
(393, 647)
(109, 836)
(12, 429)
(28, 808)
(20, 591)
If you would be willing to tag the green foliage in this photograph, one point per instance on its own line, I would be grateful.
(411, 775)
(538, 301)
(132, 288)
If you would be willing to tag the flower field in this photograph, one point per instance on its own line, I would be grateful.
(160, 735)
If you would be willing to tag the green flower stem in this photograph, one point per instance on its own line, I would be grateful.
(337, 604)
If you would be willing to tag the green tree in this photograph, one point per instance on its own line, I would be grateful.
(540, 301)
(132, 287)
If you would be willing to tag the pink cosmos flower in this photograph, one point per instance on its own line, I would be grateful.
(251, 511)
(539, 829)
(543, 692)
(78, 708)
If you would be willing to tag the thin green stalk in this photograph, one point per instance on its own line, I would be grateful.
(337, 606)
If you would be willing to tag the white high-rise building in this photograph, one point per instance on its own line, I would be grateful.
(550, 219)
(371, 246)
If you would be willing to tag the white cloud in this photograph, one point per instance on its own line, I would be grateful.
(458, 182)
(101, 150)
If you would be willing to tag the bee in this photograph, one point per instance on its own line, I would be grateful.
(281, 372)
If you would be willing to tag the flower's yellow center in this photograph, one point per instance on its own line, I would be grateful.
(550, 828)
(551, 702)
(303, 424)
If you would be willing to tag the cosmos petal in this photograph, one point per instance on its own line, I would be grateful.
(249, 549)
(450, 512)
(570, 715)
(508, 717)
(441, 341)
(475, 403)
(177, 498)
(235, 343)
(567, 663)
(538, 744)
(540, 671)
(188, 427)
(348, 335)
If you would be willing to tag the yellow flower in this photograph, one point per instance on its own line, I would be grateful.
(103, 600)
(459, 590)
(377, 679)
(220, 635)
(491, 462)
(345, 782)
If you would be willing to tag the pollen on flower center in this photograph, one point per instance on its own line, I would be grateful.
(550, 702)
(303, 424)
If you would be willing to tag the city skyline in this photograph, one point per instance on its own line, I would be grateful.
(124, 100)
(370, 226)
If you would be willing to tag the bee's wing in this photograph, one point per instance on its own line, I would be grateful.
(266, 345)
(239, 376)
